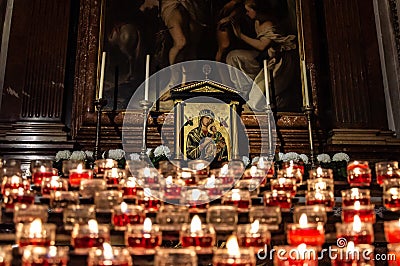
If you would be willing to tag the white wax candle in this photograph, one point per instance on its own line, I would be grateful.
(266, 80)
(146, 82)
(103, 66)
(305, 85)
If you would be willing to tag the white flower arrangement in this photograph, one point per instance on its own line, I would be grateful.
(323, 158)
(89, 155)
(340, 156)
(134, 156)
(281, 155)
(162, 150)
(291, 156)
(63, 155)
(245, 160)
(78, 155)
(304, 158)
(116, 154)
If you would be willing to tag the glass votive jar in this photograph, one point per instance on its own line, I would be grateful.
(68, 165)
(89, 187)
(224, 175)
(224, 218)
(291, 255)
(386, 170)
(26, 213)
(148, 176)
(130, 187)
(78, 214)
(108, 255)
(281, 199)
(390, 183)
(266, 165)
(320, 173)
(149, 199)
(35, 256)
(125, 214)
(233, 255)
(393, 254)
(41, 169)
(315, 213)
(172, 188)
(392, 231)
(251, 185)
(239, 198)
(196, 199)
(198, 235)
(105, 201)
(365, 212)
(320, 184)
(11, 163)
(79, 174)
(6, 255)
(114, 175)
(312, 234)
(293, 166)
(256, 174)
(214, 187)
(200, 168)
(270, 215)
(284, 184)
(391, 199)
(13, 181)
(62, 199)
(356, 255)
(188, 176)
(54, 183)
(174, 256)
(143, 239)
(254, 235)
(170, 219)
(290, 173)
(35, 233)
(101, 165)
(357, 231)
(359, 173)
(10, 198)
(87, 236)
(321, 197)
(350, 196)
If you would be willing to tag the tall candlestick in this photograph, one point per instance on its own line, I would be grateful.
(146, 82)
(103, 65)
(305, 85)
(266, 80)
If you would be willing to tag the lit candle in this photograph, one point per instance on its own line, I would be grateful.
(359, 173)
(365, 212)
(198, 235)
(148, 200)
(391, 199)
(125, 214)
(309, 233)
(109, 256)
(86, 236)
(350, 196)
(233, 255)
(357, 231)
(146, 82)
(253, 235)
(76, 175)
(392, 231)
(300, 255)
(278, 198)
(103, 66)
(239, 198)
(35, 233)
(305, 85)
(143, 238)
(266, 80)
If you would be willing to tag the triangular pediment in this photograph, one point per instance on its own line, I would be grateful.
(204, 87)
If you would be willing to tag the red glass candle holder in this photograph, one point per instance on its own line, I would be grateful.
(200, 236)
(255, 174)
(101, 165)
(6, 255)
(359, 173)
(386, 170)
(77, 175)
(238, 257)
(13, 181)
(105, 201)
(350, 196)
(170, 219)
(41, 169)
(148, 176)
(254, 235)
(358, 232)
(392, 231)
(109, 256)
(188, 177)
(20, 196)
(214, 187)
(149, 199)
(315, 213)
(311, 234)
(391, 199)
(200, 168)
(125, 214)
(317, 197)
(196, 199)
(224, 175)
(45, 256)
(393, 254)
(114, 175)
(361, 254)
(365, 212)
(278, 198)
(35, 233)
(320, 184)
(293, 165)
(296, 256)
(267, 165)
(130, 187)
(143, 239)
(172, 188)
(68, 165)
(251, 185)
(320, 173)
(87, 236)
(54, 183)
(284, 184)
(239, 198)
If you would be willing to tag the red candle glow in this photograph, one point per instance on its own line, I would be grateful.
(391, 199)
(386, 170)
(309, 233)
(85, 237)
(130, 187)
(233, 255)
(392, 231)
(39, 173)
(198, 235)
(357, 231)
(349, 197)
(239, 198)
(278, 198)
(54, 183)
(125, 214)
(284, 184)
(253, 235)
(35, 234)
(143, 239)
(76, 175)
(365, 212)
(318, 197)
(296, 256)
(109, 256)
(359, 174)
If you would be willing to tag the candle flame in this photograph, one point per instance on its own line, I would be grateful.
(224, 170)
(254, 227)
(357, 171)
(357, 205)
(281, 181)
(79, 168)
(109, 163)
(186, 174)
(302, 249)
(233, 247)
(35, 230)
(318, 195)
(303, 221)
(196, 194)
(355, 193)
(147, 192)
(235, 195)
(42, 168)
(124, 207)
(319, 171)
(146, 172)
(93, 226)
(107, 251)
(210, 182)
(54, 182)
(200, 166)
(169, 180)
(52, 251)
(131, 182)
(390, 170)
(14, 179)
(320, 185)
(357, 224)
(147, 225)
(195, 225)
(114, 172)
(253, 171)
(261, 163)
